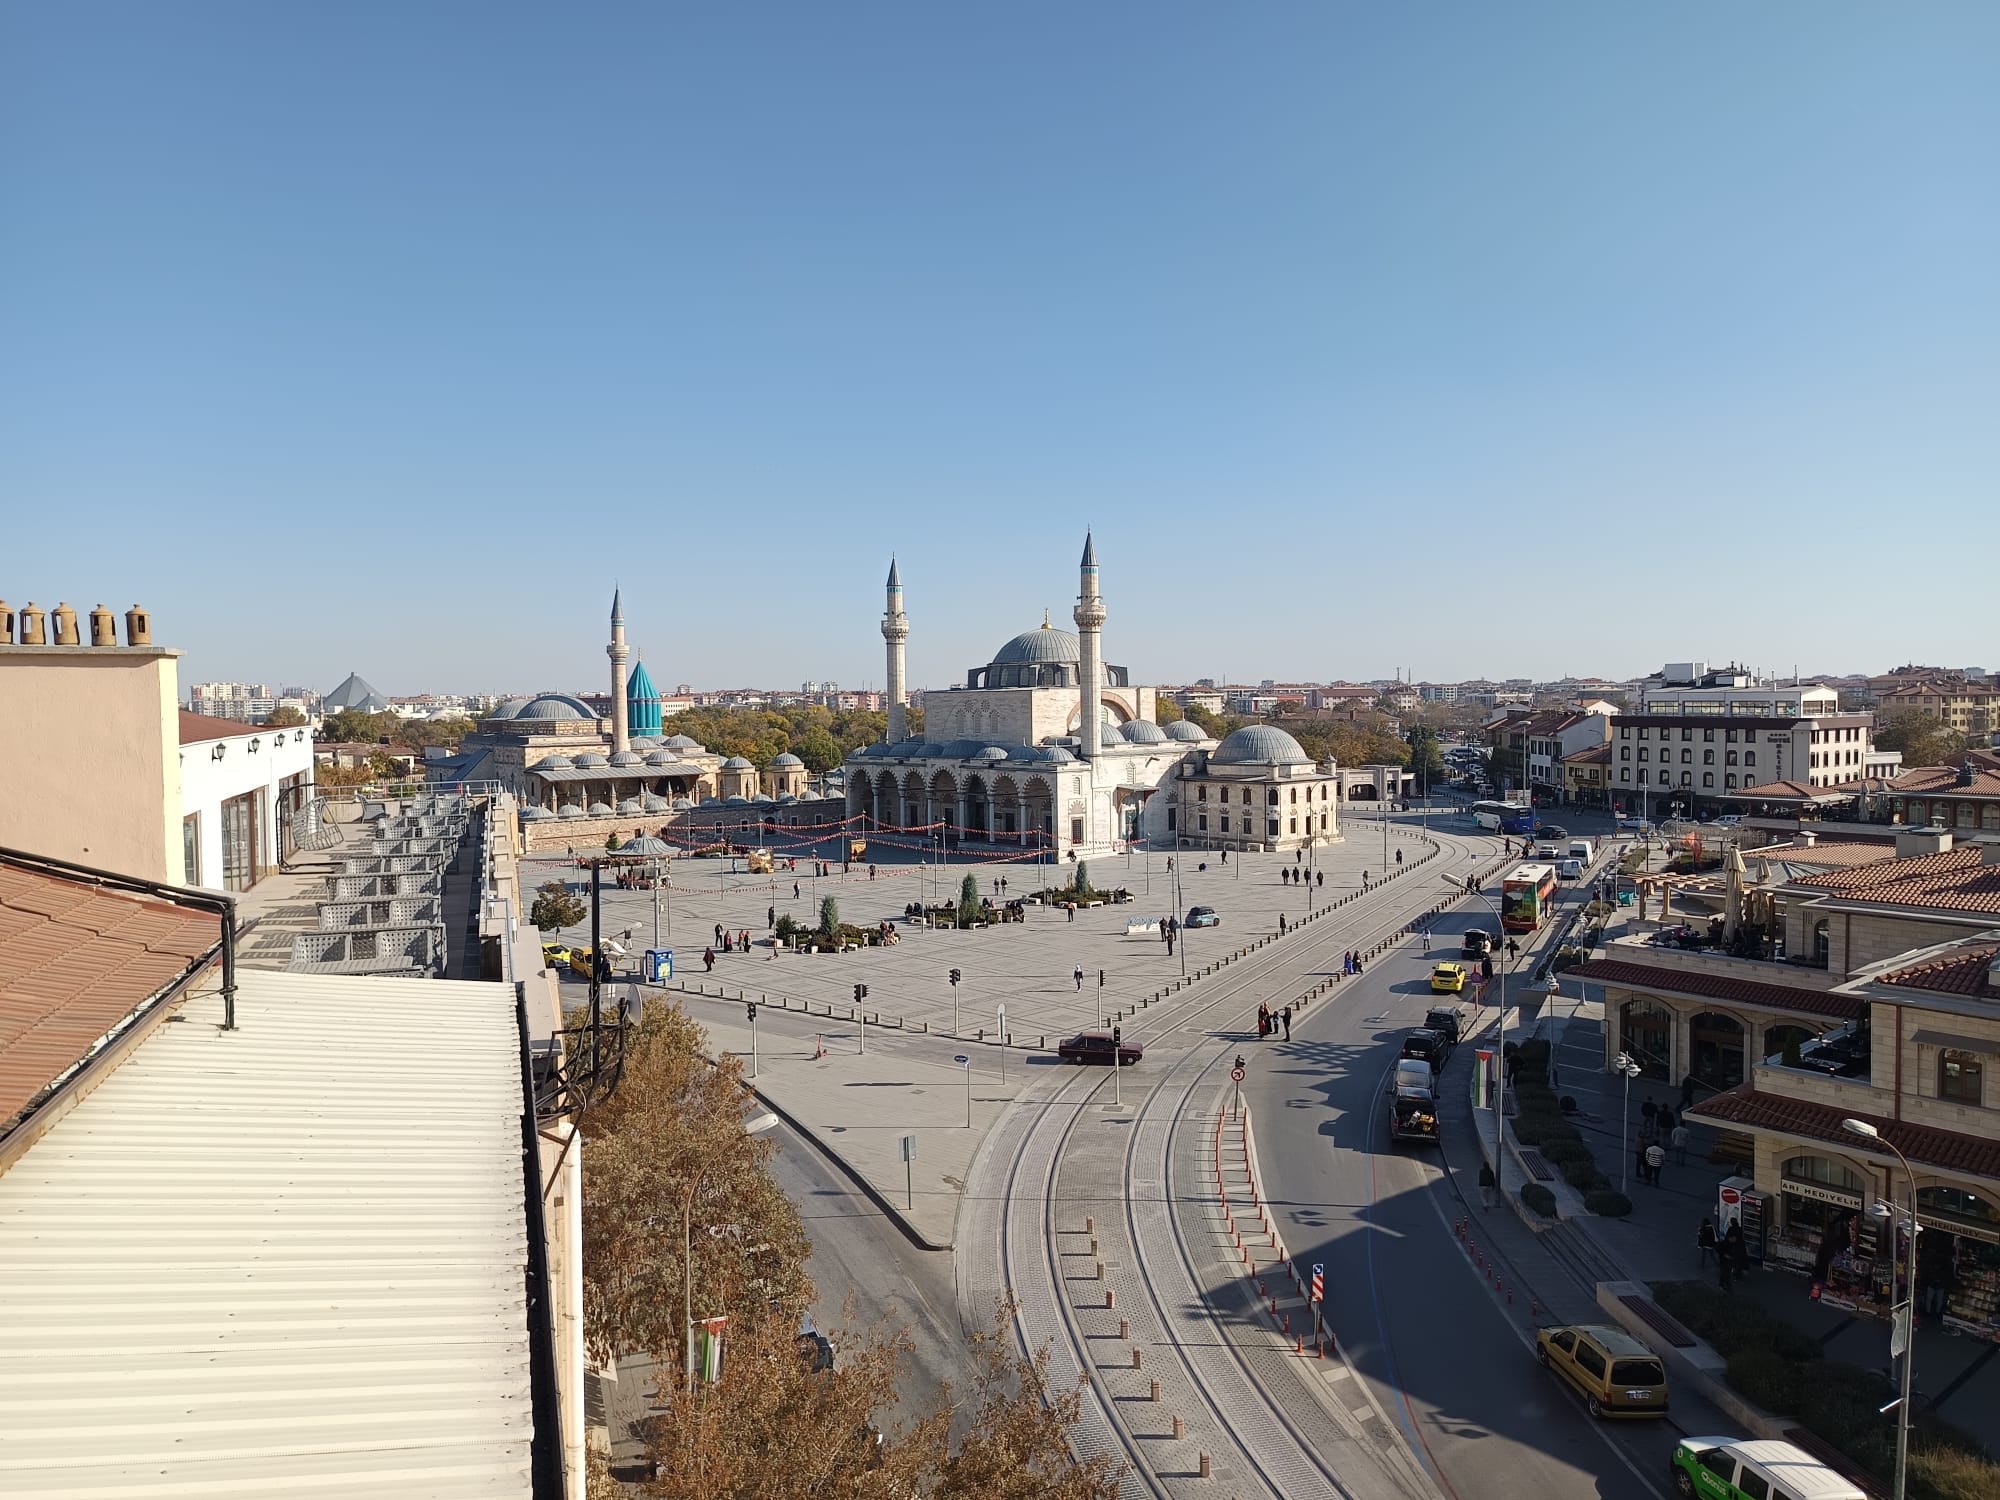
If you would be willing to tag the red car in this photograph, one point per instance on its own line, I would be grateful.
(1096, 1047)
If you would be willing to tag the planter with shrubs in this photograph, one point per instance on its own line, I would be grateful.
(1539, 1198)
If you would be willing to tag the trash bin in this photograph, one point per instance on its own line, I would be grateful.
(658, 966)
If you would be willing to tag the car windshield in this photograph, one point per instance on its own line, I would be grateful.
(1637, 1372)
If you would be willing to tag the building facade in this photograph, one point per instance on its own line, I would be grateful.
(1705, 759)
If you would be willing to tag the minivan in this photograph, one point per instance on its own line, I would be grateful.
(1713, 1468)
(1617, 1375)
(1570, 869)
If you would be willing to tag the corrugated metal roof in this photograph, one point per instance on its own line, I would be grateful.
(289, 1259)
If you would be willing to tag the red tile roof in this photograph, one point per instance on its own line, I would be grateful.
(75, 959)
(1953, 881)
(195, 727)
(1961, 972)
(1826, 855)
(1943, 780)
(1753, 1109)
(1782, 791)
(1720, 987)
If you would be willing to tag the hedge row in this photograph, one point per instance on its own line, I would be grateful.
(1779, 1367)
(1542, 1124)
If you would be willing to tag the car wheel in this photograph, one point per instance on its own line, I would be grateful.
(1595, 1408)
(1683, 1484)
(1542, 1353)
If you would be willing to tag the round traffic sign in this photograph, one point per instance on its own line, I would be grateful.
(962, 1060)
(1236, 1075)
(1731, 1197)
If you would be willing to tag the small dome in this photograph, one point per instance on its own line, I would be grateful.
(570, 810)
(645, 846)
(763, 797)
(736, 802)
(534, 814)
(683, 804)
(600, 809)
(683, 743)
(1039, 647)
(554, 763)
(659, 757)
(644, 742)
(591, 762)
(629, 805)
(554, 706)
(736, 763)
(784, 797)
(653, 803)
(1260, 745)
(787, 759)
(625, 758)
(962, 749)
(711, 802)
(1144, 732)
(1185, 730)
(991, 752)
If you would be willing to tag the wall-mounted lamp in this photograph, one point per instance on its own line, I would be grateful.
(218, 752)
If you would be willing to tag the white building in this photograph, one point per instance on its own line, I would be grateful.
(240, 789)
(1690, 687)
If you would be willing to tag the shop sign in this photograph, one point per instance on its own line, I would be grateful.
(1820, 1193)
(1955, 1226)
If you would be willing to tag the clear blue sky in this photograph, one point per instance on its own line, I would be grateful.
(385, 336)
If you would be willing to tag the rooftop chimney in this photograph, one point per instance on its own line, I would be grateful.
(1912, 842)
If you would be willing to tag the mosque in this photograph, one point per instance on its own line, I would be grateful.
(562, 761)
(1049, 750)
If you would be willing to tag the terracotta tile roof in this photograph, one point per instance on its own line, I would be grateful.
(1592, 755)
(195, 727)
(1752, 1109)
(1952, 881)
(1778, 791)
(1724, 987)
(1823, 855)
(75, 959)
(1944, 779)
(1961, 972)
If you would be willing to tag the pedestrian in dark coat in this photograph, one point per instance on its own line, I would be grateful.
(1687, 1091)
(1704, 1238)
(770, 916)
(1285, 1015)
(1487, 1184)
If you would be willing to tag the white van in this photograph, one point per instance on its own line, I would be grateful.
(1569, 869)
(1582, 849)
(1713, 1468)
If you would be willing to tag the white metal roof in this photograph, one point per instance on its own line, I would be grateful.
(285, 1260)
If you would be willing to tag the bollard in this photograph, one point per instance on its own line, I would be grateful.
(1137, 1364)
(1093, 1244)
(1090, 1227)
(1180, 1427)
(1100, 1270)
(1284, 1322)
(1320, 1345)
(1110, 1299)
(1156, 1390)
(1124, 1328)
(1300, 1346)
(1204, 1466)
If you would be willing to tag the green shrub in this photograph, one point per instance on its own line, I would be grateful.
(1947, 1473)
(1732, 1324)
(1842, 1404)
(1768, 1378)
(1608, 1202)
(1560, 1151)
(1584, 1177)
(829, 917)
(1541, 1127)
(786, 929)
(1539, 1198)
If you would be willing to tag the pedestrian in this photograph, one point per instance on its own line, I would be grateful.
(1070, 908)
(1297, 856)
(1687, 1092)
(795, 890)
(1357, 964)
(1079, 979)
(1170, 864)
(746, 940)
(1679, 1141)
(1704, 1239)
(1225, 856)
(1285, 1015)
(1639, 1154)
(1427, 940)
(1723, 1269)
(1487, 1184)
(1399, 856)
(1281, 924)
(1656, 1158)
(1263, 1019)
(708, 960)
(1319, 879)
(770, 916)
(1364, 879)
(718, 932)
(1731, 1251)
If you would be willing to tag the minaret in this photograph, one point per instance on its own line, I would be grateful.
(895, 631)
(1089, 617)
(621, 733)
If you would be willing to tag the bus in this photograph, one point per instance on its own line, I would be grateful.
(1504, 817)
(1527, 896)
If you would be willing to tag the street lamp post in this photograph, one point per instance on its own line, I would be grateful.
(1908, 1308)
(1500, 1091)
(755, 1125)
(1626, 1068)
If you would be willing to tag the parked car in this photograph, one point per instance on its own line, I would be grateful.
(1550, 831)
(1478, 943)
(1202, 916)
(1634, 825)
(1426, 1045)
(1097, 1047)
(1729, 820)
(1713, 1468)
(555, 956)
(1616, 1374)
(1447, 1019)
(1447, 979)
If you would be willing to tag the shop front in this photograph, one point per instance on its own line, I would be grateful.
(1958, 1260)
(1819, 1224)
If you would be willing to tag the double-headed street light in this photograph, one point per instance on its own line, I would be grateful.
(1627, 1069)
(1500, 1082)
(1906, 1312)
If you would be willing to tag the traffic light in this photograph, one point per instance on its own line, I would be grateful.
(954, 978)
(1100, 979)
(1117, 1035)
(860, 993)
(751, 1006)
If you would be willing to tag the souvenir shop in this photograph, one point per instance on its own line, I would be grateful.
(1819, 1228)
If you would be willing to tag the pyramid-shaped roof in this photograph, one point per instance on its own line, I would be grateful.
(356, 692)
(639, 686)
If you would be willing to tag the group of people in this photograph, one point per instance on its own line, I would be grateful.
(1659, 1132)
(1268, 1020)
(1302, 877)
(1350, 961)
(1732, 1260)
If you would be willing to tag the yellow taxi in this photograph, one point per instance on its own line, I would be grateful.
(1616, 1374)
(1447, 979)
(579, 962)
(555, 956)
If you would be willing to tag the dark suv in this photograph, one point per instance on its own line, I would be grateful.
(1426, 1045)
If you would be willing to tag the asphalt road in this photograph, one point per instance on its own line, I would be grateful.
(1443, 1355)
(867, 1274)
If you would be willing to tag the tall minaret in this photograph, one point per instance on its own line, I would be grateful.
(1089, 617)
(621, 734)
(895, 631)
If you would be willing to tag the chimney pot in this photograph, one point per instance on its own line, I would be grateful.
(103, 629)
(31, 625)
(64, 624)
(138, 627)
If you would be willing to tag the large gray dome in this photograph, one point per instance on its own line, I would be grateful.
(787, 759)
(509, 709)
(554, 706)
(737, 763)
(1259, 745)
(1038, 647)
(1184, 730)
(1144, 732)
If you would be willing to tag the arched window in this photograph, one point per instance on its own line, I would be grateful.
(1958, 1206)
(1715, 1042)
(1646, 1030)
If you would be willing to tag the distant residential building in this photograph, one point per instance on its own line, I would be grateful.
(1703, 758)
(1962, 794)
(1587, 776)
(1438, 692)
(1972, 708)
(1341, 695)
(1204, 698)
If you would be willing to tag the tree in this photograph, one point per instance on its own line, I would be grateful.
(352, 727)
(1426, 754)
(968, 900)
(1082, 879)
(286, 717)
(818, 749)
(1211, 724)
(555, 908)
(1166, 711)
(1923, 740)
(610, 843)
(829, 917)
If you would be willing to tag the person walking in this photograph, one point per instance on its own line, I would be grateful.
(1281, 924)
(1486, 1184)
(1285, 1015)
(1399, 856)
(770, 916)
(1225, 856)
(1263, 1019)
(1639, 1153)
(1319, 879)
(795, 890)
(1656, 1158)
(708, 960)
(1679, 1140)
(1297, 856)
(718, 932)
(1704, 1239)
(1732, 1252)
(1079, 979)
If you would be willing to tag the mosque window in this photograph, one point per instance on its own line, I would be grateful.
(1225, 822)
(1201, 823)
(1201, 794)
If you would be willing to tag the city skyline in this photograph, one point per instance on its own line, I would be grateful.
(1346, 332)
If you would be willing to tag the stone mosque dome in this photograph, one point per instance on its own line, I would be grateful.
(1039, 648)
(592, 761)
(1184, 730)
(554, 763)
(1144, 732)
(510, 709)
(787, 759)
(554, 706)
(1259, 745)
(683, 743)
(736, 763)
